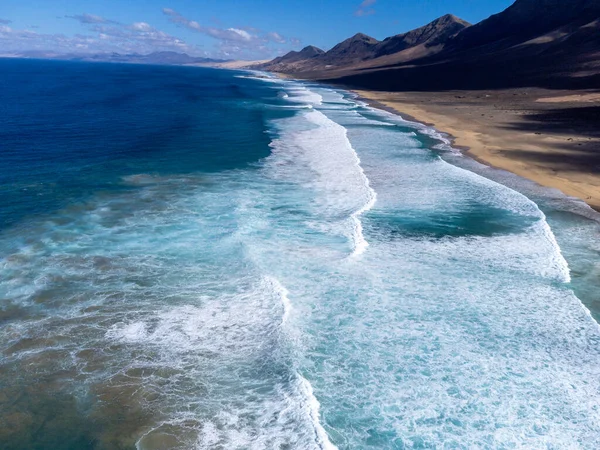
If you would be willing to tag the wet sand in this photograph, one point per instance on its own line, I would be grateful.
(551, 137)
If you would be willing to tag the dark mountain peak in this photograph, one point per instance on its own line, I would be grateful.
(356, 48)
(436, 32)
(449, 18)
(311, 50)
(361, 37)
(292, 57)
(358, 42)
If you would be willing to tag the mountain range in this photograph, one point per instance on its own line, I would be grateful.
(547, 43)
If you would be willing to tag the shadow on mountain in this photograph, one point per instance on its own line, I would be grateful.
(548, 65)
(551, 44)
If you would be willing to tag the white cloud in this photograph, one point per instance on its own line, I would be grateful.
(234, 42)
(103, 36)
(364, 9)
(141, 26)
(276, 37)
(244, 35)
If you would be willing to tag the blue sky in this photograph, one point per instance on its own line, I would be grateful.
(233, 29)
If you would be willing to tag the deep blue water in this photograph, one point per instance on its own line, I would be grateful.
(193, 258)
(69, 131)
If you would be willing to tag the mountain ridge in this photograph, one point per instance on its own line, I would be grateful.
(361, 47)
(434, 33)
(544, 43)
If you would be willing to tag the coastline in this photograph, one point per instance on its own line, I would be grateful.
(496, 129)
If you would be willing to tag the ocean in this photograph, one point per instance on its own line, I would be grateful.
(194, 258)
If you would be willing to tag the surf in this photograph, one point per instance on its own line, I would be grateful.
(322, 278)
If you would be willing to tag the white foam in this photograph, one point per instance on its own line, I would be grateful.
(301, 94)
(441, 185)
(360, 243)
(323, 147)
(301, 106)
(358, 238)
(445, 144)
(261, 76)
(559, 263)
(549, 258)
(306, 391)
(313, 406)
(132, 332)
(283, 293)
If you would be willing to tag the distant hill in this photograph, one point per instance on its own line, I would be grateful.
(160, 58)
(546, 43)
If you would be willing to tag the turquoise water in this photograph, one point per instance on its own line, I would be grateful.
(204, 259)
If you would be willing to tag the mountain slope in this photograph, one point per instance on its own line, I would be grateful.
(545, 43)
(360, 49)
(292, 61)
(435, 33)
(526, 19)
(567, 57)
(306, 53)
(357, 48)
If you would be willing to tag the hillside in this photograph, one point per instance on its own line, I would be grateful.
(435, 33)
(527, 19)
(546, 43)
(362, 50)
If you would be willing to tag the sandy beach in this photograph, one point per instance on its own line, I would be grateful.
(549, 137)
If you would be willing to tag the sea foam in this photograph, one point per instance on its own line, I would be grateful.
(323, 147)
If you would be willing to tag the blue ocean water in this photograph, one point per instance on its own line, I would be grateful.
(193, 258)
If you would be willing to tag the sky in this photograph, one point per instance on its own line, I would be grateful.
(225, 29)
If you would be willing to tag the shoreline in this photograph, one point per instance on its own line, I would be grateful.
(471, 122)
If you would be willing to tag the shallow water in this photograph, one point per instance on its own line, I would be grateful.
(248, 263)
